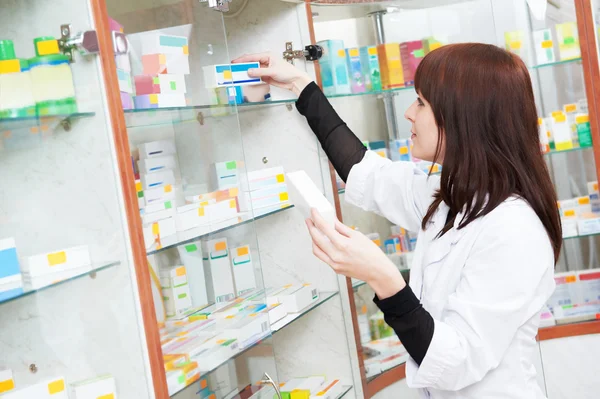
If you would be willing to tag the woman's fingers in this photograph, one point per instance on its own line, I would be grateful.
(343, 229)
(322, 241)
(261, 72)
(327, 229)
(263, 58)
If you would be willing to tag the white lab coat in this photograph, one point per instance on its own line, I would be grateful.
(484, 285)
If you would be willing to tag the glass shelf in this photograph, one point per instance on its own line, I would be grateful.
(94, 270)
(391, 369)
(553, 64)
(189, 236)
(42, 123)
(582, 236)
(275, 327)
(576, 149)
(287, 320)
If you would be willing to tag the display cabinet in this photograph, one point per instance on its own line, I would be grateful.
(558, 42)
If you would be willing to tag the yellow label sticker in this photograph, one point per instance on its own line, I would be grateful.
(372, 50)
(168, 188)
(47, 47)
(57, 258)
(234, 192)
(220, 246)
(284, 197)
(138, 186)
(435, 46)
(242, 251)
(288, 286)
(353, 52)
(570, 279)
(280, 178)
(162, 59)
(230, 317)
(571, 108)
(583, 200)
(180, 271)
(186, 50)
(232, 204)
(515, 45)
(569, 213)
(56, 386)
(10, 66)
(7, 385)
(153, 98)
(107, 396)
(155, 229)
(205, 203)
(403, 150)
(341, 53)
(227, 75)
(547, 44)
(201, 211)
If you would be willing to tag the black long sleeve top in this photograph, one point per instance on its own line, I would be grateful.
(403, 311)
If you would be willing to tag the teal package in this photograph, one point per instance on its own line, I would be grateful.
(371, 69)
(334, 69)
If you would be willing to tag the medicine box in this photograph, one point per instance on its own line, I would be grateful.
(568, 41)
(269, 196)
(100, 387)
(243, 270)
(59, 261)
(392, 75)
(309, 387)
(53, 388)
(9, 261)
(544, 47)
(221, 211)
(221, 351)
(334, 68)
(306, 195)
(164, 228)
(41, 281)
(566, 292)
(249, 329)
(215, 196)
(561, 131)
(589, 284)
(155, 149)
(153, 217)
(191, 256)
(188, 218)
(265, 177)
(592, 187)
(371, 71)
(515, 42)
(159, 43)
(355, 70)
(276, 312)
(160, 178)
(297, 297)
(157, 207)
(140, 194)
(330, 390)
(411, 54)
(7, 382)
(123, 62)
(379, 147)
(125, 83)
(216, 258)
(127, 101)
(588, 226)
(431, 43)
(159, 194)
(175, 381)
(287, 388)
(177, 299)
(230, 74)
(161, 83)
(226, 175)
(163, 100)
(400, 150)
(154, 64)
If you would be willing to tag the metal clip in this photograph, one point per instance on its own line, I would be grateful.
(219, 5)
(310, 53)
(85, 43)
(268, 380)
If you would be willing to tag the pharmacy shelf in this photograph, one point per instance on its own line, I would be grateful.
(576, 149)
(287, 320)
(91, 273)
(553, 64)
(42, 123)
(187, 237)
(374, 376)
(582, 236)
(276, 327)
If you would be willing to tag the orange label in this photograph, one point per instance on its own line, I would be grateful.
(168, 188)
(180, 271)
(570, 107)
(203, 384)
(583, 200)
(569, 213)
(571, 279)
(221, 246)
(242, 251)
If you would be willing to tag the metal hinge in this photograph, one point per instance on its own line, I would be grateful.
(310, 53)
(85, 42)
(219, 5)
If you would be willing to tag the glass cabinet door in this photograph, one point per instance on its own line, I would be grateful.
(69, 306)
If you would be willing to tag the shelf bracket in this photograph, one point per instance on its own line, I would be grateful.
(85, 42)
(310, 53)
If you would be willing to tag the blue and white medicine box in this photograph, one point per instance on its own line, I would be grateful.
(400, 150)
(158, 43)
(230, 74)
(11, 283)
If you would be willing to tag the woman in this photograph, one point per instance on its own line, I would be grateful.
(489, 230)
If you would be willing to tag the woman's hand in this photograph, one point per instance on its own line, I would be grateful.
(353, 254)
(276, 72)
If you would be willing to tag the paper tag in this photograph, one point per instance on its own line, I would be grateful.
(57, 258)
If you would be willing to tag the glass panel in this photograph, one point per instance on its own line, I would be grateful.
(194, 194)
(68, 300)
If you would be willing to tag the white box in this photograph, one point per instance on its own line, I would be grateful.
(298, 297)
(175, 381)
(589, 285)
(544, 46)
(305, 195)
(7, 383)
(266, 177)
(584, 205)
(588, 226)
(148, 218)
(289, 386)
(150, 165)
(123, 62)
(191, 256)
(221, 351)
(37, 282)
(220, 211)
(173, 277)
(330, 390)
(224, 75)
(157, 179)
(243, 270)
(53, 262)
(172, 83)
(226, 175)
(249, 329)
(269, 196)
(276, 312)
(163, 228)
(569, 228)
(156, 149)
(100, 387)
(216, 258)
(156, 42)
(311, 386)
(53, 388)
(190, 219)
(157, 207)
(161, 100)
(159, 194)
(566, 292)
(177, 299)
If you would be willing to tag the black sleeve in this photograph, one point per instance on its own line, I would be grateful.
(413, 324)
(342, 147)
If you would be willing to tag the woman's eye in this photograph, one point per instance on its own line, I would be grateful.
(420, 102)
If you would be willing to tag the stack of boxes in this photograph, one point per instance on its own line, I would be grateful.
(11, 284)
(175, 290)
(48, 268)
(231, 84)
(576, 297)
(581, 216)
(123, 68)
(165, 60)
(268, 190)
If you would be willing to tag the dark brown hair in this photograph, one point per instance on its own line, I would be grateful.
(483, 103)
